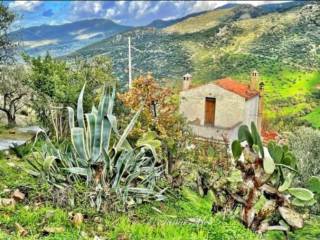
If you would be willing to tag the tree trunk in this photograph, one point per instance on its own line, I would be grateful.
(11, 118)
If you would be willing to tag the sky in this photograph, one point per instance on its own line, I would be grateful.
(132, 13)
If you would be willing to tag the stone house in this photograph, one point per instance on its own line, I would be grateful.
(217, 109)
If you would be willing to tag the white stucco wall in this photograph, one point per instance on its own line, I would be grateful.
(251, 111)
(230, 107)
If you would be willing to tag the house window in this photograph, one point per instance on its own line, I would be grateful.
(210, 109)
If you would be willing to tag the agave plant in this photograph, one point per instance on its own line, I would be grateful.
(260, 184)
(116, 170)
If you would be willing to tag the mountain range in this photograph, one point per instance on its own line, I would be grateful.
(65, 38)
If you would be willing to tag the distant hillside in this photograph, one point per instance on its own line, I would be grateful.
(153, 50)
(166, 23)
(202, 44)
(65, 38)
(281, 42)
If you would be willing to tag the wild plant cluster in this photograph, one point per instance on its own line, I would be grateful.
(259, 185)
(116, 173)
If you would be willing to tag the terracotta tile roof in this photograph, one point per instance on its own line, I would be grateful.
(269, 135)
(231, 85)
(238, 88)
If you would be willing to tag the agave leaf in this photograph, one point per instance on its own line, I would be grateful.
(94, 110)
(98, 132)
(287, 183)
(106, 135)
(113, 121)
(78, 171)
(236, 149)
(80, 108)
(111, 101)
(140, 190)
(314, 184)
(91, 123)
(127, 130)
(78, 141)
(121, 166)
(71, 117)
(301, 193)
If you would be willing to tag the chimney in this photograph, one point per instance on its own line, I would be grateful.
(186, 81)
(254, 80)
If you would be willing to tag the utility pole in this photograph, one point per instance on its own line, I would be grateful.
(129, 59)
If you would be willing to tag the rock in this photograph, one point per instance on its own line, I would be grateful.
(17, 195)
(77, 219)
(6, 190)
(21, 231)
(7, 202)
(293, 218)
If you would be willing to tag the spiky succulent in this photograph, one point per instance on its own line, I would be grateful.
(104, 158)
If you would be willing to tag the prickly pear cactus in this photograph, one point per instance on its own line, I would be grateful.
(261, 184)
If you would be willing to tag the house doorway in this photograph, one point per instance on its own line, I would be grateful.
(210, 109)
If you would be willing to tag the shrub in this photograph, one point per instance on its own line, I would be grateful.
(305, 143)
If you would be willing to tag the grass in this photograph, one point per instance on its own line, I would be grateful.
(314, 117)
(187, 216)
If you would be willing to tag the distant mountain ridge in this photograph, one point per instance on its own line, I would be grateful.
(160, 23)
(65, 38)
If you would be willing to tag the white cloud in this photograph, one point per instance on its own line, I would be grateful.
(79, 7)
(156, 7)
(24, 5)
(205, 5)
(138, 8)
(169, 18)
(34, 44)
(110, 13)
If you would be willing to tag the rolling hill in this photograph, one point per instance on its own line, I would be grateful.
(280, 40)
(65, 38)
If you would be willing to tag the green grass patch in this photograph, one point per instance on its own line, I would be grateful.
(314, 118)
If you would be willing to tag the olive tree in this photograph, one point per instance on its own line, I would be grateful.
(56, 84)
(6, 45)
(14, 92)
